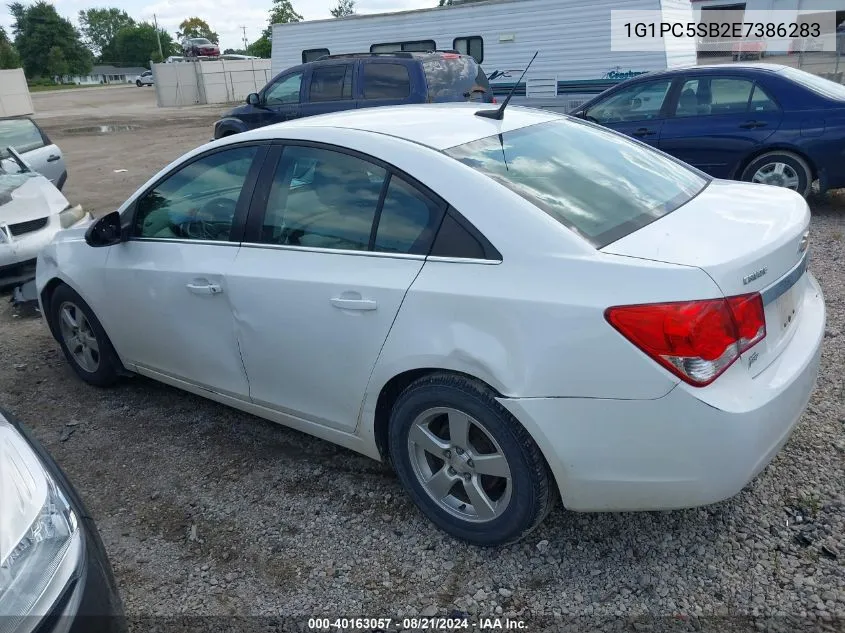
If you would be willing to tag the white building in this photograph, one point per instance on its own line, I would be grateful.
(573, 38)
(104, 74)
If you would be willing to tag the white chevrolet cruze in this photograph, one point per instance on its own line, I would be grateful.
(503, 309)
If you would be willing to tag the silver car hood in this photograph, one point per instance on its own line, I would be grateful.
(28, 196)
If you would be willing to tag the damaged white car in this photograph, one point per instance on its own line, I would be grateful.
(32, 211)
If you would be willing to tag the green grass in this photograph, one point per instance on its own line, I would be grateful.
(61, 87)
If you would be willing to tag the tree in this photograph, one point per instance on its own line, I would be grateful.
(260, 48)
(343, 8)
(100, 26)
(137, 45)
(9, 57)
(197, 27)
(38, 29)
(282, 12)
(56, 64)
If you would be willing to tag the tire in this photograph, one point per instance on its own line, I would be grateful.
(104, 367)
(517, 502)
(780, 168)
(138, 83)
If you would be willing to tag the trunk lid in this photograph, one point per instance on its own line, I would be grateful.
(748, 238)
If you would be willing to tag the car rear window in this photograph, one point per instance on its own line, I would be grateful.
(455, 78)
(21, 134)
(819, 85)
(598, 183)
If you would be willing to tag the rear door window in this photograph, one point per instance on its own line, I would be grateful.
(455, 78)
(386, 81)
(331, 83)
(717, 95)
(598, 183)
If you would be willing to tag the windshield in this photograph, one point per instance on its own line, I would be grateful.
(819, 85)
(598, 183)
(201, 40)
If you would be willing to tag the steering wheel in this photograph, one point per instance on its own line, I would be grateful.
(218, 210)
(212, 222)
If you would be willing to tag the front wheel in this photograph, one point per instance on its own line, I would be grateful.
(781, 169)
(83, 340)
(138, 83)
(471, 468)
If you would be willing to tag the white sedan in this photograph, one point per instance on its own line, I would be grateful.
(503, 309)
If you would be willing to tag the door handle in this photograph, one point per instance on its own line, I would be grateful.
(204, 289)
(750, 125)
(354, 304)
(643, 131)
(53, 158)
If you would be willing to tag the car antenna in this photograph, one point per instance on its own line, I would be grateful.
(499, 113)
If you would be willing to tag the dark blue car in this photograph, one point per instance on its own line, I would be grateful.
(755, 122)
(359, 80)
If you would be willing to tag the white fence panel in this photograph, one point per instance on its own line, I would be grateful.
(176, 85)
(209, 82)
(14, 94)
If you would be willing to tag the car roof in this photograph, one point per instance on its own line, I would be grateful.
(438, 126)
(733, 67)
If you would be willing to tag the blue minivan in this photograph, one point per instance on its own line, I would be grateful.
(359, 80)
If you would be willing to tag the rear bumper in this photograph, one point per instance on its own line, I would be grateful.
(689, 448)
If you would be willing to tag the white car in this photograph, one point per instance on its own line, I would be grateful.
(32, 211)
(503, 309)
(145, 79)
(36, 148)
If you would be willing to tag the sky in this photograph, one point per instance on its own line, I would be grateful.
(223, 16)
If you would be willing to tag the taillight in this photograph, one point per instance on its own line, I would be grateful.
(494, 100)
(695, 340)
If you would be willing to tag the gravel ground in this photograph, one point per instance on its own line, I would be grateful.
(208, 511)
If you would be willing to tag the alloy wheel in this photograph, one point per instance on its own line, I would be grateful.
(777, 174)
(459, 464)
(79, 337)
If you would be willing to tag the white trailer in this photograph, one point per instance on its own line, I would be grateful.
(573, 38)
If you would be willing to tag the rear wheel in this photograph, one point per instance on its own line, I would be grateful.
(138, 83)
(781, 169)
(471, 468)
(82, 338)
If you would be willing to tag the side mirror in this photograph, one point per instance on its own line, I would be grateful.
(106, 231)
(253, 99)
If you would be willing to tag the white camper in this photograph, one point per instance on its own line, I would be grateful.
(573, 38)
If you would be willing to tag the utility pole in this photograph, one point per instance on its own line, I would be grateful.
(246, 44)
(158, 37)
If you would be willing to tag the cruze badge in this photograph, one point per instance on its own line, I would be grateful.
(755, 275)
